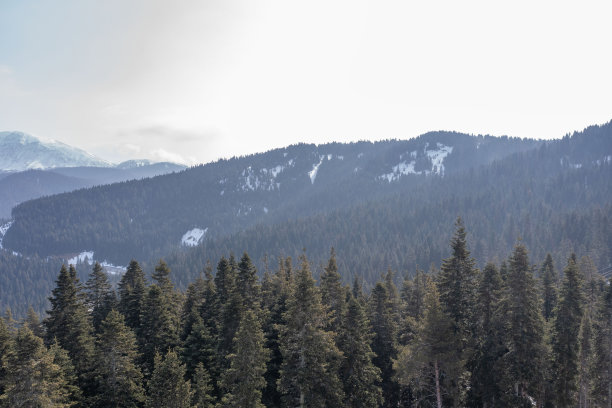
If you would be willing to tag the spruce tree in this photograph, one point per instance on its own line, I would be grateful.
(565, 342)
(100, 296)
(522, 364)
(333, 294)
(585, 361)
(358, 373)
(602, 364)
(429, 362)
(384, 341)
(132, 293)
(5, 342)
(308, 375)
(118, 378)
(244, 379)
(68, 323)
(32, 377)
(32, 321)
(167, 387)
(549, 287)
(247, 283)
(202, 389)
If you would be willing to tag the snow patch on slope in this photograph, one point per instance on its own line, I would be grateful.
(193, 237)
(87, 257)
(83, 257)
(437, 157)
(405, 167)
(3, 229)
(315, 169)
(401, 169)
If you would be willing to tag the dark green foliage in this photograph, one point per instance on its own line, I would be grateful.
(100, 296)
(602, 363)
(358, 373)
(5, 342)
(168, 387)
(68, 323)
(549, 287)
(308, 374)
(522, 364)
(159, 330)
(247, 283)
(117, 376)
(429, 362)
(384, 341)
(566, 329)
(333, 294)
(32, 321)
(32, 377)
(202, 388)
(244, 379)
(132, 292)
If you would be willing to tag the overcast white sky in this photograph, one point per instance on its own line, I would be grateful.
(192, 81)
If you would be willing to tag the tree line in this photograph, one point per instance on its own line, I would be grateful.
(510, 335)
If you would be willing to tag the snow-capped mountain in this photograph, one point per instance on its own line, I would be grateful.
(20, 151)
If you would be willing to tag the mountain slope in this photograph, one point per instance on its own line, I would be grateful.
(147, 218)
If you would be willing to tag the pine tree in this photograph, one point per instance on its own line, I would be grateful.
(132, 293)
(308, 375)
(168, 388)
(158, 327)
(485, 378)
(229, 308)
(5, 342)
(429, 362)
(246, 283)
(100, 296)
(521, 308)
(32, 321)
(384, 342)
(565, 342)
(549, 287)
(71, 385)
(118, 379)
(358, 373)
(202, 389)
(161, 276)
(585, 361)
(68, 324)
(333, 295)
(602, 364)
(244, 379)
(32, 378)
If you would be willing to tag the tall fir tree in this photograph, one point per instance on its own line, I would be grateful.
(132, 293)
(32, 378)
(244, 380)
(429, 362)
(602, 363)
(202, 396)
(68, 323)
(118, 378)
(585, 361)
(308, 375)
(32, 321)
(523, 365)
(168, 387)
(384, 341)
(566, 328)
(358, 373)
(247, 283)
(100, 296)
(549, 287)
(5, 342)
(333, 294)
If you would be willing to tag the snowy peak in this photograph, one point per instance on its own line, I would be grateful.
(20, 151)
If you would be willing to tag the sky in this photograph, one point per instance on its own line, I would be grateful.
(194, 81)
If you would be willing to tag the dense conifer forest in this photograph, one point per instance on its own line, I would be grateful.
(518, 332)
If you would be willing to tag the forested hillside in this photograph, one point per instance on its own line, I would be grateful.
(511, 334)
(146, 219)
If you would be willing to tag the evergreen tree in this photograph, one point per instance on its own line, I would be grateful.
(100, 296)
(358, 373)
(384, 341)
(229, 307)
(244, 379)
(429, 362)
(585, 361)
(602, 364)
(32, 378)
(308, 375)
(68, 324)
(485, 378)
(168, 388)
(549, 287)
(63, 361)
(5, 342)
(118, 379)
(161, 276)
(202, 389)
(158, 327)
(524, 327)
(247, 283)
(32, 321)
(333, 295)
(132, 293)
(565, 343)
